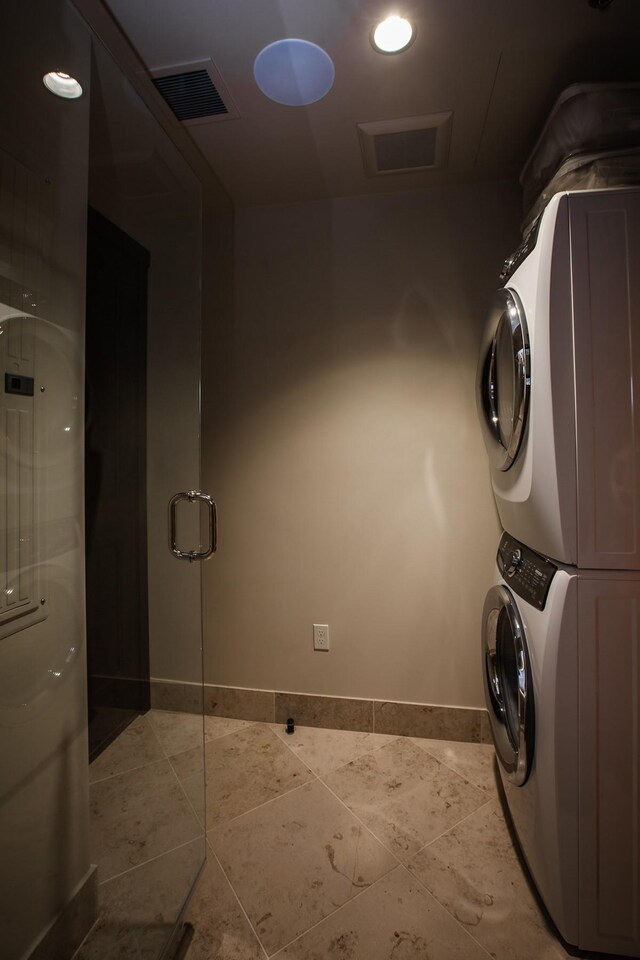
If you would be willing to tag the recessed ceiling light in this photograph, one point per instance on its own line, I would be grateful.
(294, 72)
(62, 84)
(393, 35)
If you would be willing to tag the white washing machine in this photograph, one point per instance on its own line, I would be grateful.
(561, 654)
(558, 384)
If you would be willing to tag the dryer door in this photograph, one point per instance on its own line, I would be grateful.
(504, 379)
(508, 684)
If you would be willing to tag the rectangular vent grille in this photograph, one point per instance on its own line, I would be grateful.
(405, 145)
(191, 95)
(406, 150)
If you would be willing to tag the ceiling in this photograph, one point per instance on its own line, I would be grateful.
(497, 64)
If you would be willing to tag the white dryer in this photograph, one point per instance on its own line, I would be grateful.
(561, 656)
(558, 384)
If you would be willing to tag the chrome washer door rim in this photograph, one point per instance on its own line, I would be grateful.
(514, 747)
(506, 314)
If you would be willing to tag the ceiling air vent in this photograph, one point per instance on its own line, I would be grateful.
(195, 92)
(406, 146)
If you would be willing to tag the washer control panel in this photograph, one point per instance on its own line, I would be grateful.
(527, 573)
(529, 241)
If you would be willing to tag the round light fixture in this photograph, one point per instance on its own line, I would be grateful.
(393, 35)
(294, 72)
(62, 84)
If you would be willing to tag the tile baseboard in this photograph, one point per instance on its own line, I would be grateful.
(333, 713)
(427, 720)
(239, 703)
(466, 724)
(485, 728)
(176, 696)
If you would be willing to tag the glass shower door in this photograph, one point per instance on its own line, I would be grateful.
(111, 849)
(143, 448)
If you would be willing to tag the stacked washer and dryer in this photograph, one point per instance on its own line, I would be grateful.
(559, 403)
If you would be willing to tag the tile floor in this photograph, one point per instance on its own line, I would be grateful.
(323, 845)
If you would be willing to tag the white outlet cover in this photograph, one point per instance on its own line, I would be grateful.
(321, 636)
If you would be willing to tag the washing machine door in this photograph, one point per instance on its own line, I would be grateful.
(503, 380)
(508, 684)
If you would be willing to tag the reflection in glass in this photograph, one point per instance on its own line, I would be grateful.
(62, 85)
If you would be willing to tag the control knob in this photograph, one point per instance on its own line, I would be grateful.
(515, 562)
(506, 267)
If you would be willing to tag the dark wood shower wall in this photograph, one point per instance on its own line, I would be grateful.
(115, 481)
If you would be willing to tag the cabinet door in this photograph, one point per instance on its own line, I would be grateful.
(605, 245)
(609, 763)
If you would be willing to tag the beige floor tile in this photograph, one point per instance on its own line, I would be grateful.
(177, 732)
(326, 750)
(395, 919)
(190, 765)
(134, 747)
(215, 727)
(245, 769)
(404, 795)
(138, 909)
(222, 931)
(473, 870)
(292, 862)
(138, 815)
(195, 790)
(473, 761)
(189, 762)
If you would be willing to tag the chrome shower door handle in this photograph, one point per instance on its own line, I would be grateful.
(192, 496)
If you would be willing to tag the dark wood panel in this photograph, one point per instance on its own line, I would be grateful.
(115, 480)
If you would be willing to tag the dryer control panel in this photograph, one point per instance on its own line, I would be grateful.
(527, 573)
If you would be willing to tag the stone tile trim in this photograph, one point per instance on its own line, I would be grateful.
(423, 720)
(464, 724)
(239, 704)
(333, 713)
(176, 696)
(72, 924)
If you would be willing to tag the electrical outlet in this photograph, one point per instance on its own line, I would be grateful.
(321, 636)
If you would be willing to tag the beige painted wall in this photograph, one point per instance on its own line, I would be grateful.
(346, 459)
